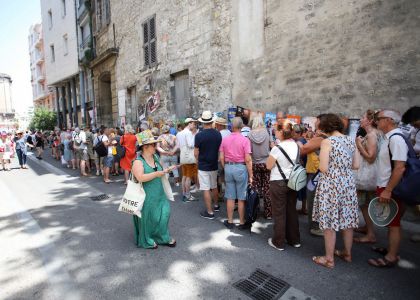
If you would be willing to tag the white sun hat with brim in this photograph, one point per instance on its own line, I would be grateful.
(206, 117)
(382, 214)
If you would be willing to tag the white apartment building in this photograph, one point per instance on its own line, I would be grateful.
(42, 95)
(61, 58)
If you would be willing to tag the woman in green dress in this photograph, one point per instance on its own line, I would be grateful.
(151, 229)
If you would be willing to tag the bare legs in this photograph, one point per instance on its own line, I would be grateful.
(230, 207)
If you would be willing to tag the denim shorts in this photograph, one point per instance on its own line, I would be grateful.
(236, 180)
(108, 161)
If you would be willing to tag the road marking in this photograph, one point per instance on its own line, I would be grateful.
(60, 282)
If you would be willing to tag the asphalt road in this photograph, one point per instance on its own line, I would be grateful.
(56, 243)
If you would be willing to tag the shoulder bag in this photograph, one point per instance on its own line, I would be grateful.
(297, 178)
(133, 199)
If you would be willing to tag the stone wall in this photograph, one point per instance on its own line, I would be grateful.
(338, 56)
(192, 35)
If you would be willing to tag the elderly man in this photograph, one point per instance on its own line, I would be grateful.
(221, 125)
(185, 142)
(392, 158)
(207, 143)
(235, 157)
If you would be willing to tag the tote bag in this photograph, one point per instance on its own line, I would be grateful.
(167, 188)
(187, 155)
(133, 199)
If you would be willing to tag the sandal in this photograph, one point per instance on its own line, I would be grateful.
(322, 261)
(382, 263)
(341, 254)
(364, 240)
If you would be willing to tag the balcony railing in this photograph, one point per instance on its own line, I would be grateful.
(85, 43)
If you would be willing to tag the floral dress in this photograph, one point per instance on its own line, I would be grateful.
(335, 204)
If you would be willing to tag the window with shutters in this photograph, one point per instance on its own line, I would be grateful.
(149, 42)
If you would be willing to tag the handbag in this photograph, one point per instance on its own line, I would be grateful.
(120, 148)
(297, 178)
(313, 182)
(133, 199)
(187, 155)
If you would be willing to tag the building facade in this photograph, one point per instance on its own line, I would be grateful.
(61, 58)
(7, 111)
(43, 96)
(105, 54)
(299, 57)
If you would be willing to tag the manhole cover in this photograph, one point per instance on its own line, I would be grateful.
(262, 286)
(99, 197)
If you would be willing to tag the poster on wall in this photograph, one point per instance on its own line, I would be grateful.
(231, 114)
(141, 112)
(153, 102)
(255, 114)
(309, 122)
(295, 119)
(269, 119)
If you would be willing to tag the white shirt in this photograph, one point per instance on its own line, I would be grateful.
(415, 136)
(399, 152)
(225, 133)
(104, 139)
(82, 137)
(291, 149)
(245, 131)
(180, 137)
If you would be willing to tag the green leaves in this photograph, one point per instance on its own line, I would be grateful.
(43, 119)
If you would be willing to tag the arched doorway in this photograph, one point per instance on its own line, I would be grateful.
(105, 100)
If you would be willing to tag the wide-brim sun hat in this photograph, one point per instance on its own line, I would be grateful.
(382, 214)
(221, 121)
(165, 129)
(146, 138)
(206, 117)
(189, 120)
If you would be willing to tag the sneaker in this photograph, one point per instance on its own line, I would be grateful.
(245, 227)
(98, 173)
(177, 184)
(194, 190)
(185, 199)
(270, 242)
(192, 198)
(317, 232)
(206, 215)
(228, 225)
(297, 245)
(216, 208)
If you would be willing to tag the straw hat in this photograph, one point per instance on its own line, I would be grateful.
(146, 138)
(206, 117)
(189, 120)
(221, 121)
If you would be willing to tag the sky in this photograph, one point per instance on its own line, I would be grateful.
(16, 17)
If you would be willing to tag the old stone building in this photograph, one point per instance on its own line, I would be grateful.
(103, 65)
(304, 57)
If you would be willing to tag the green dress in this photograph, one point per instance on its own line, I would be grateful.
(152, 227)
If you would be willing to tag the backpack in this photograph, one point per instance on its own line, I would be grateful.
(252, 205)
(100, 148)
(408, 188)
(120, 149)
(297, 178)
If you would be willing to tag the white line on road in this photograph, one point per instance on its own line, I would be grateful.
(59, 279)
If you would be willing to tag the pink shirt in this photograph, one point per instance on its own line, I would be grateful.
(235, 147)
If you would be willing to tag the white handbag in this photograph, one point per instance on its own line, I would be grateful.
(167, 188)
(133, 199)
(187, 155)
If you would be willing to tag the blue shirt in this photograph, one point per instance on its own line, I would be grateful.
(208, 143)
(172, 131)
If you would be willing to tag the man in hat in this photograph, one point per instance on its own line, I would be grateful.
(392, 157)
(221, 126)
(207, 143)
(185, 142)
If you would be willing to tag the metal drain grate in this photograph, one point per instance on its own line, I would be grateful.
(262, 286)
(99, 197)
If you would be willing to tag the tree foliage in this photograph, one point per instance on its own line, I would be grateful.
(43, 119)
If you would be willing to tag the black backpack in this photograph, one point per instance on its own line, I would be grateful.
(101, 149)
(120, 148)
(408, 188)
(252, 205)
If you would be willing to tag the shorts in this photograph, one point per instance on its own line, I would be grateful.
(108, 161)
(396, 222)
(364, 197)
(91, 153)
(82, 154)
(189, 170)
(207, 179)
(236, 181)
(6, 155)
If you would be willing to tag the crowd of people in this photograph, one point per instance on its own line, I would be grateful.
(343, 173)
